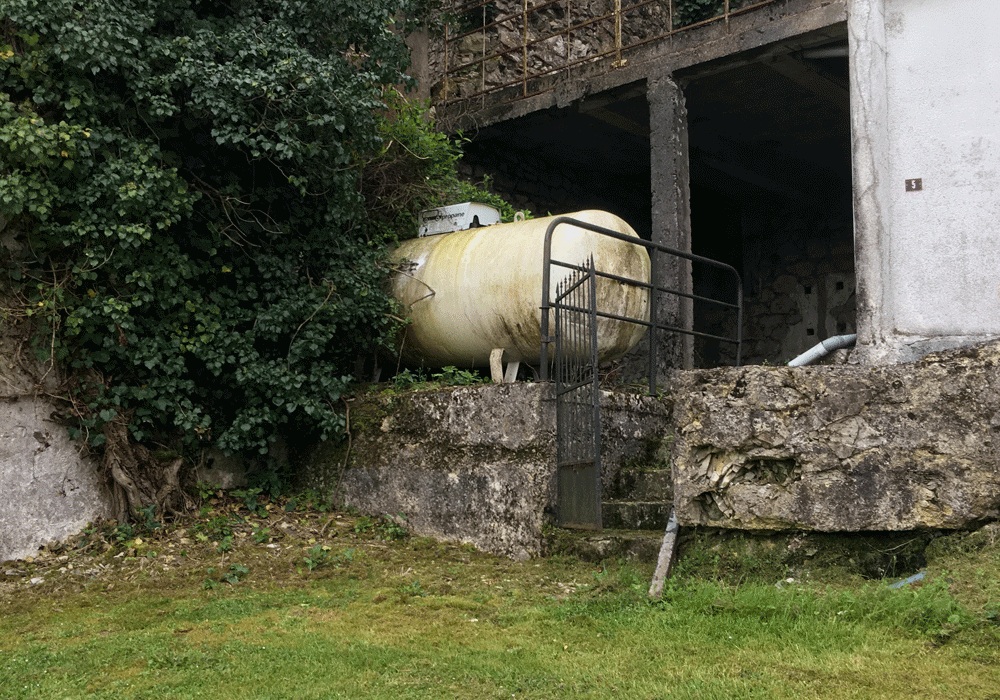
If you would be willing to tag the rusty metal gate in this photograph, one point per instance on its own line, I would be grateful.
(575, 365)
(578, 407)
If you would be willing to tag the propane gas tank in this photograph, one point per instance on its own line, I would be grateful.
(468, 292)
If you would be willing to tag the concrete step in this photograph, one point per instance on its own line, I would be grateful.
(631, 484)
(636, 515)
(631, 545)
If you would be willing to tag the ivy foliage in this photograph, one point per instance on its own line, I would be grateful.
(196, 198)
(687, 12)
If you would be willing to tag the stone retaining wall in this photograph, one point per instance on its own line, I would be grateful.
(474, 464)
(829, 449)
(841, 448)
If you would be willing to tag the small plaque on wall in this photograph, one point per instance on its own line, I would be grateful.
(914, 185)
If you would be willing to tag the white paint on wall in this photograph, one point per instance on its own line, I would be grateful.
(943, 116)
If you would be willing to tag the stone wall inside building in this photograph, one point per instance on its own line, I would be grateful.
(798, 285)
(529, 186)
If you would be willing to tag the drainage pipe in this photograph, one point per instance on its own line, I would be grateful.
(820, 349)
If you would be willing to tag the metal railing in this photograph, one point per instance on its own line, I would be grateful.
(490, 46)
(654, 288)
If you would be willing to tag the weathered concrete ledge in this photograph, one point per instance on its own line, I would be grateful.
(474, 464)
(841, 448)
(824, 449)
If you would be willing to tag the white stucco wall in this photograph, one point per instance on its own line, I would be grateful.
(936, 273)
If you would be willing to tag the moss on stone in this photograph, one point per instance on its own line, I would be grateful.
(737, 556)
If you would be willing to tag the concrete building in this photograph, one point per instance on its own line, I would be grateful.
(842, 154)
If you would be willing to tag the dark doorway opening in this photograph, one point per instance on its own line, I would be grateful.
(770, 175)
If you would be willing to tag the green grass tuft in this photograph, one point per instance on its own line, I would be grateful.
(378, 617)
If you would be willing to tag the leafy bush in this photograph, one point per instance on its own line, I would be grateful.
(250, 499)
(199, 198)
(452, 376)
(692, 11)
(235, 574)
(319, 556)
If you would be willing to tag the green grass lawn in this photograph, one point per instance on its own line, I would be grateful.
(326, 606)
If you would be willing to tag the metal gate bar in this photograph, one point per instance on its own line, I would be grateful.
(575, 366)
(578, 418)
(654, 324)
(654, 287)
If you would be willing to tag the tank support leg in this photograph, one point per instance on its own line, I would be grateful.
(511, 376)
(497, 369)
(496, 365)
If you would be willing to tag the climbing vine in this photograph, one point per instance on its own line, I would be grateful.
(195, 203)
(687, 12)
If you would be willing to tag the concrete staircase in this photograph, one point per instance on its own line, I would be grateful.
(638, 499)
(635, 509)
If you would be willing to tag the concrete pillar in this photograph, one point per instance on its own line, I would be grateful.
(870, 156)
(418, 43)
(669, 171)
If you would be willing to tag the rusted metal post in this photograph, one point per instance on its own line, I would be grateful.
(447, 66)
(524, 48)
(665, 562)
(569, 31)
(618, 33)
(482, 84)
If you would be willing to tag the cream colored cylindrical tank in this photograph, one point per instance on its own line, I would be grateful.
(469, 292)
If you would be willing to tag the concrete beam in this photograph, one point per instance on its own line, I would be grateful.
(806, 76)
(669, 173)
(618, 121)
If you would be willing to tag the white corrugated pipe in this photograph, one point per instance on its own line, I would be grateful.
(820, 349)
